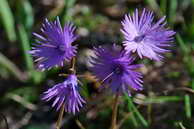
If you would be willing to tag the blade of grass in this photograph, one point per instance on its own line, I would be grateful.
(172, 11)
(25, 45)
(8, 20)
(4, 73)
(149, 112)
(85, 91)
(182, 44)
(154, 5)
(192, 83)
(181, 125)
(188, 58)
(69, 3)
(141, 118)
(29, 16)
(193, 3)
(67, 12)
(133, 119)
(12, 68)
(187, 106)
(79, 124)
(163, 6)
(132, 116)
(137, 113)
(189, 64)
(162, 99)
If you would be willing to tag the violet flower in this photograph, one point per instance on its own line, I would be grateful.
(145, 37)
(65, 93)
(54, 46)
(115, 69)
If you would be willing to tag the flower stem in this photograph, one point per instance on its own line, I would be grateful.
(58, 124)
(72, 69)
(114, 113)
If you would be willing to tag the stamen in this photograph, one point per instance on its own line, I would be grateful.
(117, 70)
(62, 48)
(139, 38)
(49, 45)
(108, 76)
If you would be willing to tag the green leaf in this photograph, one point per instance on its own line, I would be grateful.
(12, 68)
(67, 12)
(172, 11)
(25, 44)
(163, 6)
(192, 2)
(187, 106)
(132, 117)
(8, 20)
(28, 12)
(162, 99)
(136, 112)
(182, 44)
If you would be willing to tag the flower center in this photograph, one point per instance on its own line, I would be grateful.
(138, 39)
(62, 48)
(117, 70)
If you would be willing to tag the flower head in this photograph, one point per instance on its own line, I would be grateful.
(54, 45)
(145, 37)
(115, 69)
(65, 93)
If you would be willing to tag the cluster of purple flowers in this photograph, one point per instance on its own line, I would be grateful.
(112, 65)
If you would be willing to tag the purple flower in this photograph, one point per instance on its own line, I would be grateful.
(149, 39)
(65, 93)
(54, 46)
(115, 69)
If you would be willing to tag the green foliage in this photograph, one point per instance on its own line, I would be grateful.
(68, 9)
(8, 67)
(25, 45)
(38, 126)
(187, 106)
(25, 14)
(28, 93)
(136, 113)
(7, 19)
(88, 20)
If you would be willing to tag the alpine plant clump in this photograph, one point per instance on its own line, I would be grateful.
(112, 65)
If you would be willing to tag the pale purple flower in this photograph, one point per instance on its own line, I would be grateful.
(66, 93)
(145, 37)
(54, 45)
(114, 68)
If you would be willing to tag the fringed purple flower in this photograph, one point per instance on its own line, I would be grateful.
(145, 37)
(115, 69)
(54, 46)
(65, 93)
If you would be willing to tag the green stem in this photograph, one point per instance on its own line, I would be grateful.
(114, 113)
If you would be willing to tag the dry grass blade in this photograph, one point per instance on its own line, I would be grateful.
(3, 117)
(12, 68)
(79, 124)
